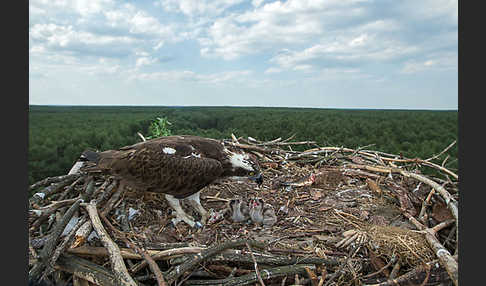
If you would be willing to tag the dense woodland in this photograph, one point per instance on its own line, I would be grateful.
(58, 134)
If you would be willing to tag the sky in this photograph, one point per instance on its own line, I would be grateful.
(380, 54)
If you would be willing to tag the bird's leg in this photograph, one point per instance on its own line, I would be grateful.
(196, 203)
(181, 215)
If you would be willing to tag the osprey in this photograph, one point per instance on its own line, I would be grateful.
(178, 166)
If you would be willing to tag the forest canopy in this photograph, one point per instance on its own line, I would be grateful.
(58, 134)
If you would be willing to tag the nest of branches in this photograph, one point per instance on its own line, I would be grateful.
(344, 217)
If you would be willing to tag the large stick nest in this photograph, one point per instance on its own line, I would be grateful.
(349, 208)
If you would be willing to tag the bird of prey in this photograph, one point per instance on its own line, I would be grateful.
(178, 166)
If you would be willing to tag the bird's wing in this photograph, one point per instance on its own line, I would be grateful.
(172, 167)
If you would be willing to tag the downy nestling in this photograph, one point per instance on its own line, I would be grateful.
(269, 217)
(256, 210)
(239, 210)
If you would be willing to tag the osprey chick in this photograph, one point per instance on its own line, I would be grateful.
(178, 166)
(239, 210)
(256, 210)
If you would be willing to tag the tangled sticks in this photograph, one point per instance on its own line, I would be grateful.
(330, 230)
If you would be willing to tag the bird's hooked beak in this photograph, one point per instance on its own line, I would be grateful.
(258, 178)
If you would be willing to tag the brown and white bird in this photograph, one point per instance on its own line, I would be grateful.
(256, 210)
(239, 210)
(178, 166)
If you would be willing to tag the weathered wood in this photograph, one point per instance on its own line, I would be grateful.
(253, 147)
(187, 264)
(117, 264)
(153, 266)
(312, 276)
(106, 193)
(179, 270)
(450, 201)
(50, 180)
(166, 245)
(113, 199)
(89, 190)
(50, 244)
(78, 281)
(445, 258)
(86, 270)
(43, 213)
(71, 187)
(418, 275)
(126, 253)
(63, 245)
(82, 234)
(246, 260)
(286, 143)
(423, 210)
(268, 273)
(52, 189)
(167, 254)
(255, 265)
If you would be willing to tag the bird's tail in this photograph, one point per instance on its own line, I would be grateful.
(90, 156)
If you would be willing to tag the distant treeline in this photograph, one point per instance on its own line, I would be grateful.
(58, 134)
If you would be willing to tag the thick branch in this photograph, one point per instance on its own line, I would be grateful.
(167, 254)
(117, 265)
(253, 148)
(445, 258)
(49, 246)
(86, 269)
(251, 278)
(153, 266)
(50, 180)
(245, 259)
(418, 275)
(52, 189)
(206, 254)
(63, 245)
(450, 201)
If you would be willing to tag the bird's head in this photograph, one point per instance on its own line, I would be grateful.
(242, 164)
(234, 203)
(256, 203)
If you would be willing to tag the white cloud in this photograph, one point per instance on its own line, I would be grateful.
(344, 49)
(83, 31)
(272, 70)
(293, 43)
(438, 62)
(253, 32)
(136, 21)
(443, 10)
(66, 37)
(256, 3)
(90, 7)
(305, 68)
(144, 61)
(291, 23)
(190, 76)
(193, 8)
(81, 7)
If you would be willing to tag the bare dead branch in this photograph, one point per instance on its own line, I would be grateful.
(117, 265)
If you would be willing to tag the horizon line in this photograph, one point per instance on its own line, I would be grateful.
(243, 106)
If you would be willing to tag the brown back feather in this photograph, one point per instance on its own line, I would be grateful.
(145, 165)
